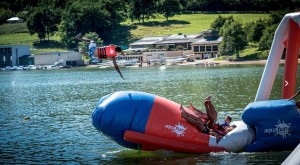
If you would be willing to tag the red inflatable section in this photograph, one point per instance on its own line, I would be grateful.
(166, 129)
(291, 61)
(151, 143)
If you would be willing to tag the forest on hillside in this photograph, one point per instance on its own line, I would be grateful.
(67, 18)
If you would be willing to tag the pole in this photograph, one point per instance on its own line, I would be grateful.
(291, 60)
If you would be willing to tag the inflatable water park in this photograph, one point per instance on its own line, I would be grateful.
(148, 122)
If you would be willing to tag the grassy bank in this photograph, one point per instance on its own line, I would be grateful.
(17, 34)
(247, 54)
(185, 23)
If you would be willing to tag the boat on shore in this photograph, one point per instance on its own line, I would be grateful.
(207, 63)
(129, 63)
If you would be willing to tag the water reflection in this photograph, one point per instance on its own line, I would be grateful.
(59, 104)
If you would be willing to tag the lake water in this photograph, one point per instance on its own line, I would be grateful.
(59, 104)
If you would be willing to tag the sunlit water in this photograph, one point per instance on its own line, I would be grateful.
(59, 104)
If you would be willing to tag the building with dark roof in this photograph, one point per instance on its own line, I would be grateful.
(146, 42)
(175, 40)
(207, 46)
(203, 45)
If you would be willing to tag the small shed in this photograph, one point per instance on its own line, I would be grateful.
(15, 20)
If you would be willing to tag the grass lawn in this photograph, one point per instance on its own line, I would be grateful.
(185, 23)
(13, 28)
(247, 54)
(18, 39)
(17, 34)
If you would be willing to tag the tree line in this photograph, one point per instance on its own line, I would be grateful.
(69, 17)
(237, 36)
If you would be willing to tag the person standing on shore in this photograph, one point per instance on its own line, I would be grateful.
(101, 52)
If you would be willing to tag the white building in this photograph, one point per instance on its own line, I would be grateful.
(200, 46)
(10, 55)
(64, 58)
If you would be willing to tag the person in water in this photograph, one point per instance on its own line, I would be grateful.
(101, 52)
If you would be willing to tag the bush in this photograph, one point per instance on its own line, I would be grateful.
(5, 14)
(263, 55)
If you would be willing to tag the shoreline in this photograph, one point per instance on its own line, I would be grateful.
(224, 62)
(200, 63)
(197, 62)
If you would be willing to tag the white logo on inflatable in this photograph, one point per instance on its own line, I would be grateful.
(282, 129)
(179, 129)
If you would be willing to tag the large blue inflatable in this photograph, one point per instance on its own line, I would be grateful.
(276, 124)
(145, 121)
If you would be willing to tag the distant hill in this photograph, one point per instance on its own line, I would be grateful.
(15, 34)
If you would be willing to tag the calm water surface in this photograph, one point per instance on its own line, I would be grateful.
(59, 104)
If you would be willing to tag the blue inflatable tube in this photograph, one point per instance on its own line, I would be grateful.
(276, 124)
(115, 113)
(145, 121)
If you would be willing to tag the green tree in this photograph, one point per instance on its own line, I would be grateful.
(234, 38)
(142, 9)
(5, 14)
(198, 5)
(90, 17)
(43, 20)
(169, 8)
(255, 32)
(234, 4)
(267, 38)
(218, 23)
(248, 27)
(271, 24)
(228, 21)
(135, 12)
(276, 17)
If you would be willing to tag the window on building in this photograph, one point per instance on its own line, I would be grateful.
(5, 51)
(3, 58)
(196, 48)
(208, 48)
(202, 48)
(215, 48)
